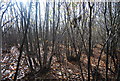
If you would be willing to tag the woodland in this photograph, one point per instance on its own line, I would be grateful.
(59, 40)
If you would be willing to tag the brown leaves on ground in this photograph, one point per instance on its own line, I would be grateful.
(59, 69)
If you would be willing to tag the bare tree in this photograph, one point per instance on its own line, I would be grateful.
(38, 44)
(21, 47)
(46, 34)
(90, 36)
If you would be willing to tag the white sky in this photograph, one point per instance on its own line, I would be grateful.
(72, 0)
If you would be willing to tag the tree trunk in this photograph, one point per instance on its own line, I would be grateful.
(46, 35)
(0, 51)
(90, 39)
(38, 44)
(107, 46)
(21, 47)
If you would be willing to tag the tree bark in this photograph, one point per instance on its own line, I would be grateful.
(107, 45)
(46, 34)
(90, 40)
(38, 44)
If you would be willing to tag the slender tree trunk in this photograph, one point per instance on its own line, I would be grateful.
(90, 41)
(53, 39)
(53, 28)
(46, 34)
(107, 45)
(0, 51)
(27, 53)
(38, 44)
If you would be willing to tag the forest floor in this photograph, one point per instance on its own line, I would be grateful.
(60, 70)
